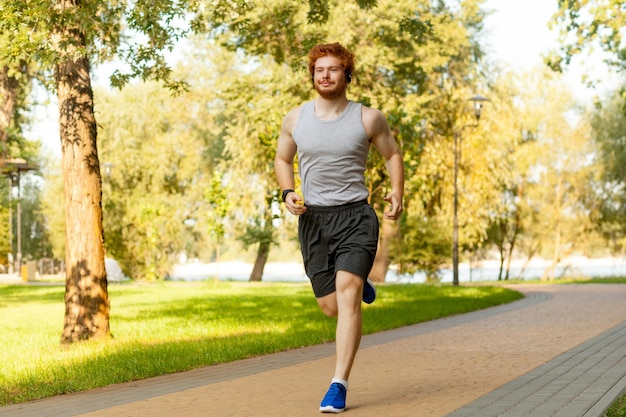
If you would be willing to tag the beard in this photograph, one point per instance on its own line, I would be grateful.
(333, 91)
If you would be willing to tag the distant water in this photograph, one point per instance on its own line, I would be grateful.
(238, 271)
(486, 271)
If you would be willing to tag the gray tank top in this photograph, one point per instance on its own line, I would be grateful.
(331, 156)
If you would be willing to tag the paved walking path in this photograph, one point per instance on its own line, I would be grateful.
(561, 351)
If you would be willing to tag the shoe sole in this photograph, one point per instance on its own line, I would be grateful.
(371, 284)
(331, 409)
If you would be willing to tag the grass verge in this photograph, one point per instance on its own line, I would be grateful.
(171, 327)
(617, 409)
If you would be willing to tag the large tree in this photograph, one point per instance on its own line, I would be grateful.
(86, 296)
(65, 38)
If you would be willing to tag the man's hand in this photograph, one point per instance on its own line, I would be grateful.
(396, 207)
(295, 204)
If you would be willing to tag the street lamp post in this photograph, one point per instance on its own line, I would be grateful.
(12, 168)
(478, 105)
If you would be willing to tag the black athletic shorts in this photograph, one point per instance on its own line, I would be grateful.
(337, 238)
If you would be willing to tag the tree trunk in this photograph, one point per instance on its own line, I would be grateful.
(382, 261)
(501, 265)
(532, 250)
(556, 256)
(261, 260)
(86, 295)
(8, 99)
(502, 226)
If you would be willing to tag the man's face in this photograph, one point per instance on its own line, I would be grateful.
(329, 78)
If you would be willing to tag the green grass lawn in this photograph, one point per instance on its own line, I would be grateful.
(170, 327)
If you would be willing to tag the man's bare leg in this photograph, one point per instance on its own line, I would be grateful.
(345, 304)
(349, 322)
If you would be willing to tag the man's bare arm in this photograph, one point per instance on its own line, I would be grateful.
(283, 163)
(377, 127)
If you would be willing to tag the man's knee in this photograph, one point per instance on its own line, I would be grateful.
(349, 285)
(328, 305)
(329, 311)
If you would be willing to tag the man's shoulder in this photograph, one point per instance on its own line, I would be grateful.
(372, 116)
(374, 120)
(291, 118)
(292, 115)
(295, 111)
(370, 112)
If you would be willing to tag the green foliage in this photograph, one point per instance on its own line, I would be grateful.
(424, 246)
(192, 171)
(319, 11)
(34, 233)
(558, 191)
(168, 327)
(608, 123)
(139, 34)
(15, 87)
(405, 49)
(253, 97)
(216, 195)
(585, 24)
(153, 197)
(544, 176)
(260, 232)
(53, 209)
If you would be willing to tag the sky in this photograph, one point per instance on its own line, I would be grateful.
(517, 35)
(517, 31)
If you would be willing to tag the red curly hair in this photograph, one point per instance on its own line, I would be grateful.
(334, 49)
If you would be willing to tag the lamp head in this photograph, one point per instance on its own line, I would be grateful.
(108, 167)
(478, 105)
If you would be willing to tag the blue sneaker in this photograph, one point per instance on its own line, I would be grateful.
(369, 292)
(335, 399)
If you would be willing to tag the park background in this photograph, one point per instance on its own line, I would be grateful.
(188, 190)
(140, 136)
